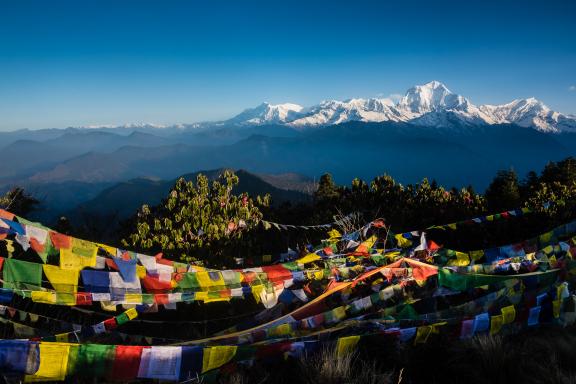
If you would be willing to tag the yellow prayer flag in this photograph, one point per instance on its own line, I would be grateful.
(334, 234)
(556, 306)
(402, 241)
(72, 261)
(496, 324)
(62, 280)
(215, 357)
(308, 258)
(84, 248)
(45, 297)
(53, 363)
(281, 330)
(132, 313)
(200, 296)
(51, 297)
(461, 260)
(422, 334)
(133, 298)
(141, 271)
(339, 313)
(452, 226)
(436, 327)
(346, 345)
(65, 298)
(256, 290)
(490, 218)
(552, 261)
(207, 283)
(508, 314)
(108, 306)
(215, 299)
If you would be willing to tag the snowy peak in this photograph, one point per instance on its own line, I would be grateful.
(430, 104)
(530, 113)
(425, 97)
(267, 113)
(336, 112)
(432, 96)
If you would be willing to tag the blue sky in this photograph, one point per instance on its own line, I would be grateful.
(113, 62)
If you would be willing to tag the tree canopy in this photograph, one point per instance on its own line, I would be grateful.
(199, 221)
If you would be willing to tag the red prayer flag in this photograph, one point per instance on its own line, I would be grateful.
(36, 246)
(110, 324)
(6, 215)
(111, 264)
(161, 298)
(277, 273)
(275, 349)
(126, 362)
(432, 246)
(60, 241)
(154, 285)
(83, 298)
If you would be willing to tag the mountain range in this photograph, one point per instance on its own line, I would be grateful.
(430, 132)
(431, 104)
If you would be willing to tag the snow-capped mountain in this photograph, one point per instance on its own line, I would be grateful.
(531, 113)
(267, 113)
(431, 104)
(336, 112)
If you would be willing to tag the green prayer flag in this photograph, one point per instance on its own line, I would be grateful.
(291, 266)
(122, 318)
(72, 358)
(188, 281)
(463, 282)
(408, 312)
(18, 271)
(95, 360)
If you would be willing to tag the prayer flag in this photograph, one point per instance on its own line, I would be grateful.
(533, 316)
(53, 363)
(496, 323)
(126, 362)
(17, 272)
(346, 345)
(508, 314)
(164, 363)
(215, 357)
(422, 334)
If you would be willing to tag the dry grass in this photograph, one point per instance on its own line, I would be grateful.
(545, 356)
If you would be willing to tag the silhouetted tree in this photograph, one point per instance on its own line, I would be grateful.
(18, 201)
(504, 191)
